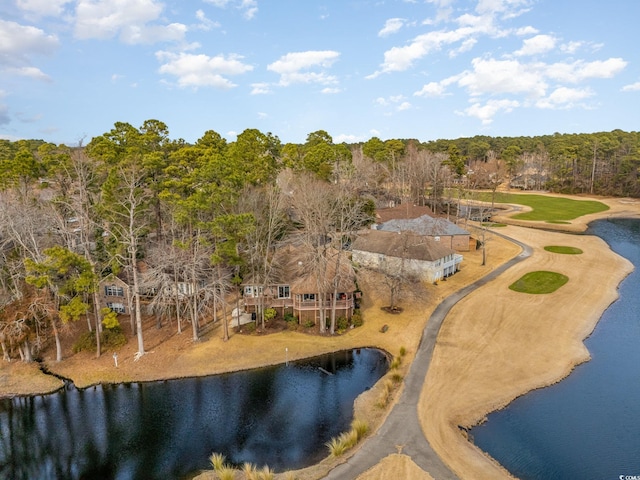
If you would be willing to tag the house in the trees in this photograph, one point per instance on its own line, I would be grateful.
(114, 293)
(438, 229)
(306, 285)
(406, 254)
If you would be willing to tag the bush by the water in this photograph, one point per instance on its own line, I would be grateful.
(109, 338)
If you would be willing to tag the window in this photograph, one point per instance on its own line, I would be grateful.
(116, 307)
(308, 296)
(283, 291)
(253, 291)
(113, 291)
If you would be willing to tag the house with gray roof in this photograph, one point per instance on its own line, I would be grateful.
(405, 253)
(438, 229)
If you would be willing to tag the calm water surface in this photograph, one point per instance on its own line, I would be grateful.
(278, 416)
(588, 425)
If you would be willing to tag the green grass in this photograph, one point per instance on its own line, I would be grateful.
(549, 209)
(539, 282)
(563, 250)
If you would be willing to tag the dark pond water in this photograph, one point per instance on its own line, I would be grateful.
(278, 416)
(588, 425)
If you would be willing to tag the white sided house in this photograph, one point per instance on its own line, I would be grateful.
(405, 253)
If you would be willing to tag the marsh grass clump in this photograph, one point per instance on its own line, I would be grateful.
(249, 470)
(396, 377)
(395, 363)
(360, 427)
(217, 461)
(337, 446)
(266, 473)
(226, 473)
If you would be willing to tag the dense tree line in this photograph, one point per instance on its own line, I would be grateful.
(185, 223)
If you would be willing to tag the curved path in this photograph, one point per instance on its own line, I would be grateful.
(402, 428)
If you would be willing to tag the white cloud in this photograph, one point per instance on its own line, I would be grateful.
(201, 70)
(486, 112)
(564, 97)
(249, 8)
(53, 8)
(537, 45)
(330, 91)
(404, 106)
(431, 89)
(29, 72)
(293, 67)
(470, 26)
(490, 76)
(391, 26)
(580, 70)
(260, 89)
(633, 87)
(18, 43)
(127, 19)
(205, 23)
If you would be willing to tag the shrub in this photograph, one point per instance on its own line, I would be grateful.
(217, 461)
(342, 323)
(249, 471)
(403, 351)
(266, 473)
(250, 327)
(226, 473)
(360, 427)
(290, 317)
(109, 338)
(86, 341)
(395, 363)
(270, 313)
(350, 438)
(309, 323)
(113, 337)
(356, 319)
(336, 446)
(396, 377)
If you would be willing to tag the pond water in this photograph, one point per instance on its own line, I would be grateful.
(279, 416)
(588, 425)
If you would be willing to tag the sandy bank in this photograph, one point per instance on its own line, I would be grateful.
(496, 344)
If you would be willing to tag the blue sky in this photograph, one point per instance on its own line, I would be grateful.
(424, 69)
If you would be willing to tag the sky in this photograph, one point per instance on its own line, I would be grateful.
(357, 69)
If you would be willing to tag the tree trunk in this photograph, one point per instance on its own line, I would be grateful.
(136, 299)
(96, 310)
(224, 322)
(58, 344)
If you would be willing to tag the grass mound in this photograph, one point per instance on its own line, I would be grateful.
(539, 282)
(563, 250)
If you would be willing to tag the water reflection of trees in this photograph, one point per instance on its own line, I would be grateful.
(280, 416)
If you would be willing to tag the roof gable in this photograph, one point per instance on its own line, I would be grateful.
(401, 245)
(424, 225)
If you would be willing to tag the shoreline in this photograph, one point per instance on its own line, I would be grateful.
(485, 388)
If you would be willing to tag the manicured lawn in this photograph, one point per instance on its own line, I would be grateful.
(563, 250)
(551, 209)
(539, 282)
